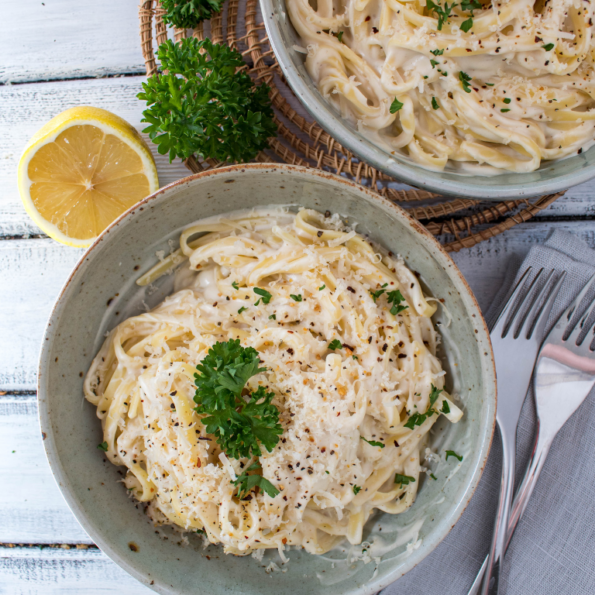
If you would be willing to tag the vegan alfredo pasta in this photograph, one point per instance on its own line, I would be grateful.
(480, 86)
(282, 393)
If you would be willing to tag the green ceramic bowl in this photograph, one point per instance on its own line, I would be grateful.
(550, 178)
(101, 292)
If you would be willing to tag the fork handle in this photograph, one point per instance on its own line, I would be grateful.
(541, 448)
(491, 582)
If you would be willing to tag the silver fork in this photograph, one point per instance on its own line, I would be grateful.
(564, 376)
(515, 339)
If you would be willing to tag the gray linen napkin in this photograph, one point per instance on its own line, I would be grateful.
(553, 549)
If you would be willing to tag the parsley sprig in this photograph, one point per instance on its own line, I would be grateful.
(240, 425)
(418, 418)
(452, 453)
(404, 480)
(186, 14)
(395, 298)
(465, 79)
(442, 13)
(373, 442)
(246, 482)
(204, 106)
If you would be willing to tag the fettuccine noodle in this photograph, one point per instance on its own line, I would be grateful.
(380, 375)
(479, 87)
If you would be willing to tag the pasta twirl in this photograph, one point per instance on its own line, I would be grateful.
(350, 353)
(473, 86)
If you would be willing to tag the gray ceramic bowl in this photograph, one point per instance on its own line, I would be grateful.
(552, 177)
(101, 292)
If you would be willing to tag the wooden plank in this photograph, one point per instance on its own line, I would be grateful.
(33, 271)
(32, 509)
(25, 108)
(61, 39)
(55, 571)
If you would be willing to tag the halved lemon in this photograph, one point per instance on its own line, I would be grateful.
(81, 171)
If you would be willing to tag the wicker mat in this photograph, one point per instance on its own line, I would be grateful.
(458, 222)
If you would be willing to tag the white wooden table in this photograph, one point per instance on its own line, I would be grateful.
(54, 55)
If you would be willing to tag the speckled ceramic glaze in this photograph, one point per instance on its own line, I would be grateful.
(101, 292)
(550, 178)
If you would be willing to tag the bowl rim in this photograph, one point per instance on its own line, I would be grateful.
(483, 337)
(323, 114)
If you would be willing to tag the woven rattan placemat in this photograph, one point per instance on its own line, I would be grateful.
(458, 222)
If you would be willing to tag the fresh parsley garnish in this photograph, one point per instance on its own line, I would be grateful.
(445, 407)
(434, 393)
(242, 309)
(321, 287)
(373, 442)
(490, 84)
(433, 63)
(418, 418)
(246, 482)
(452, 453)
(376, 294)
(356, 490)
(396, 105)
(395, 298)
(235, 285)
(437, 52)
(335, 344)
(354, 356)
(435, 103)
(548, 47)
(266, 296)
(239, 423)
(507, 100)
(295, 298)
(201, 104)
(201, 531)
(470, 5)
(433, 476)
(504, 110)
(339, 36)
(404, 480)
(465, 78)
(466, 25)
(102, 446)
(443, 13)
(186, 14)
(273, 317)
(328, 472)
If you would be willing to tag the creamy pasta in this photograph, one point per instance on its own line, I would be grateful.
(349, 348)
(479, 87)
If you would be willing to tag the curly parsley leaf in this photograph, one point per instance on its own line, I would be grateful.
(465, 79)
(395, 298)
(404, 480)
(418, 418)
(442, 13)
(102, 446)
(434, 394)
(373, 442)
(396, 105)
(202, 105)
(187, 14)
(466, 25)
(266, 296)
(335, 344)
(239, 424)
(452, 453)
(247, 482)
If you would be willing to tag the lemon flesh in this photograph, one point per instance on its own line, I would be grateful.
(79, 175)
